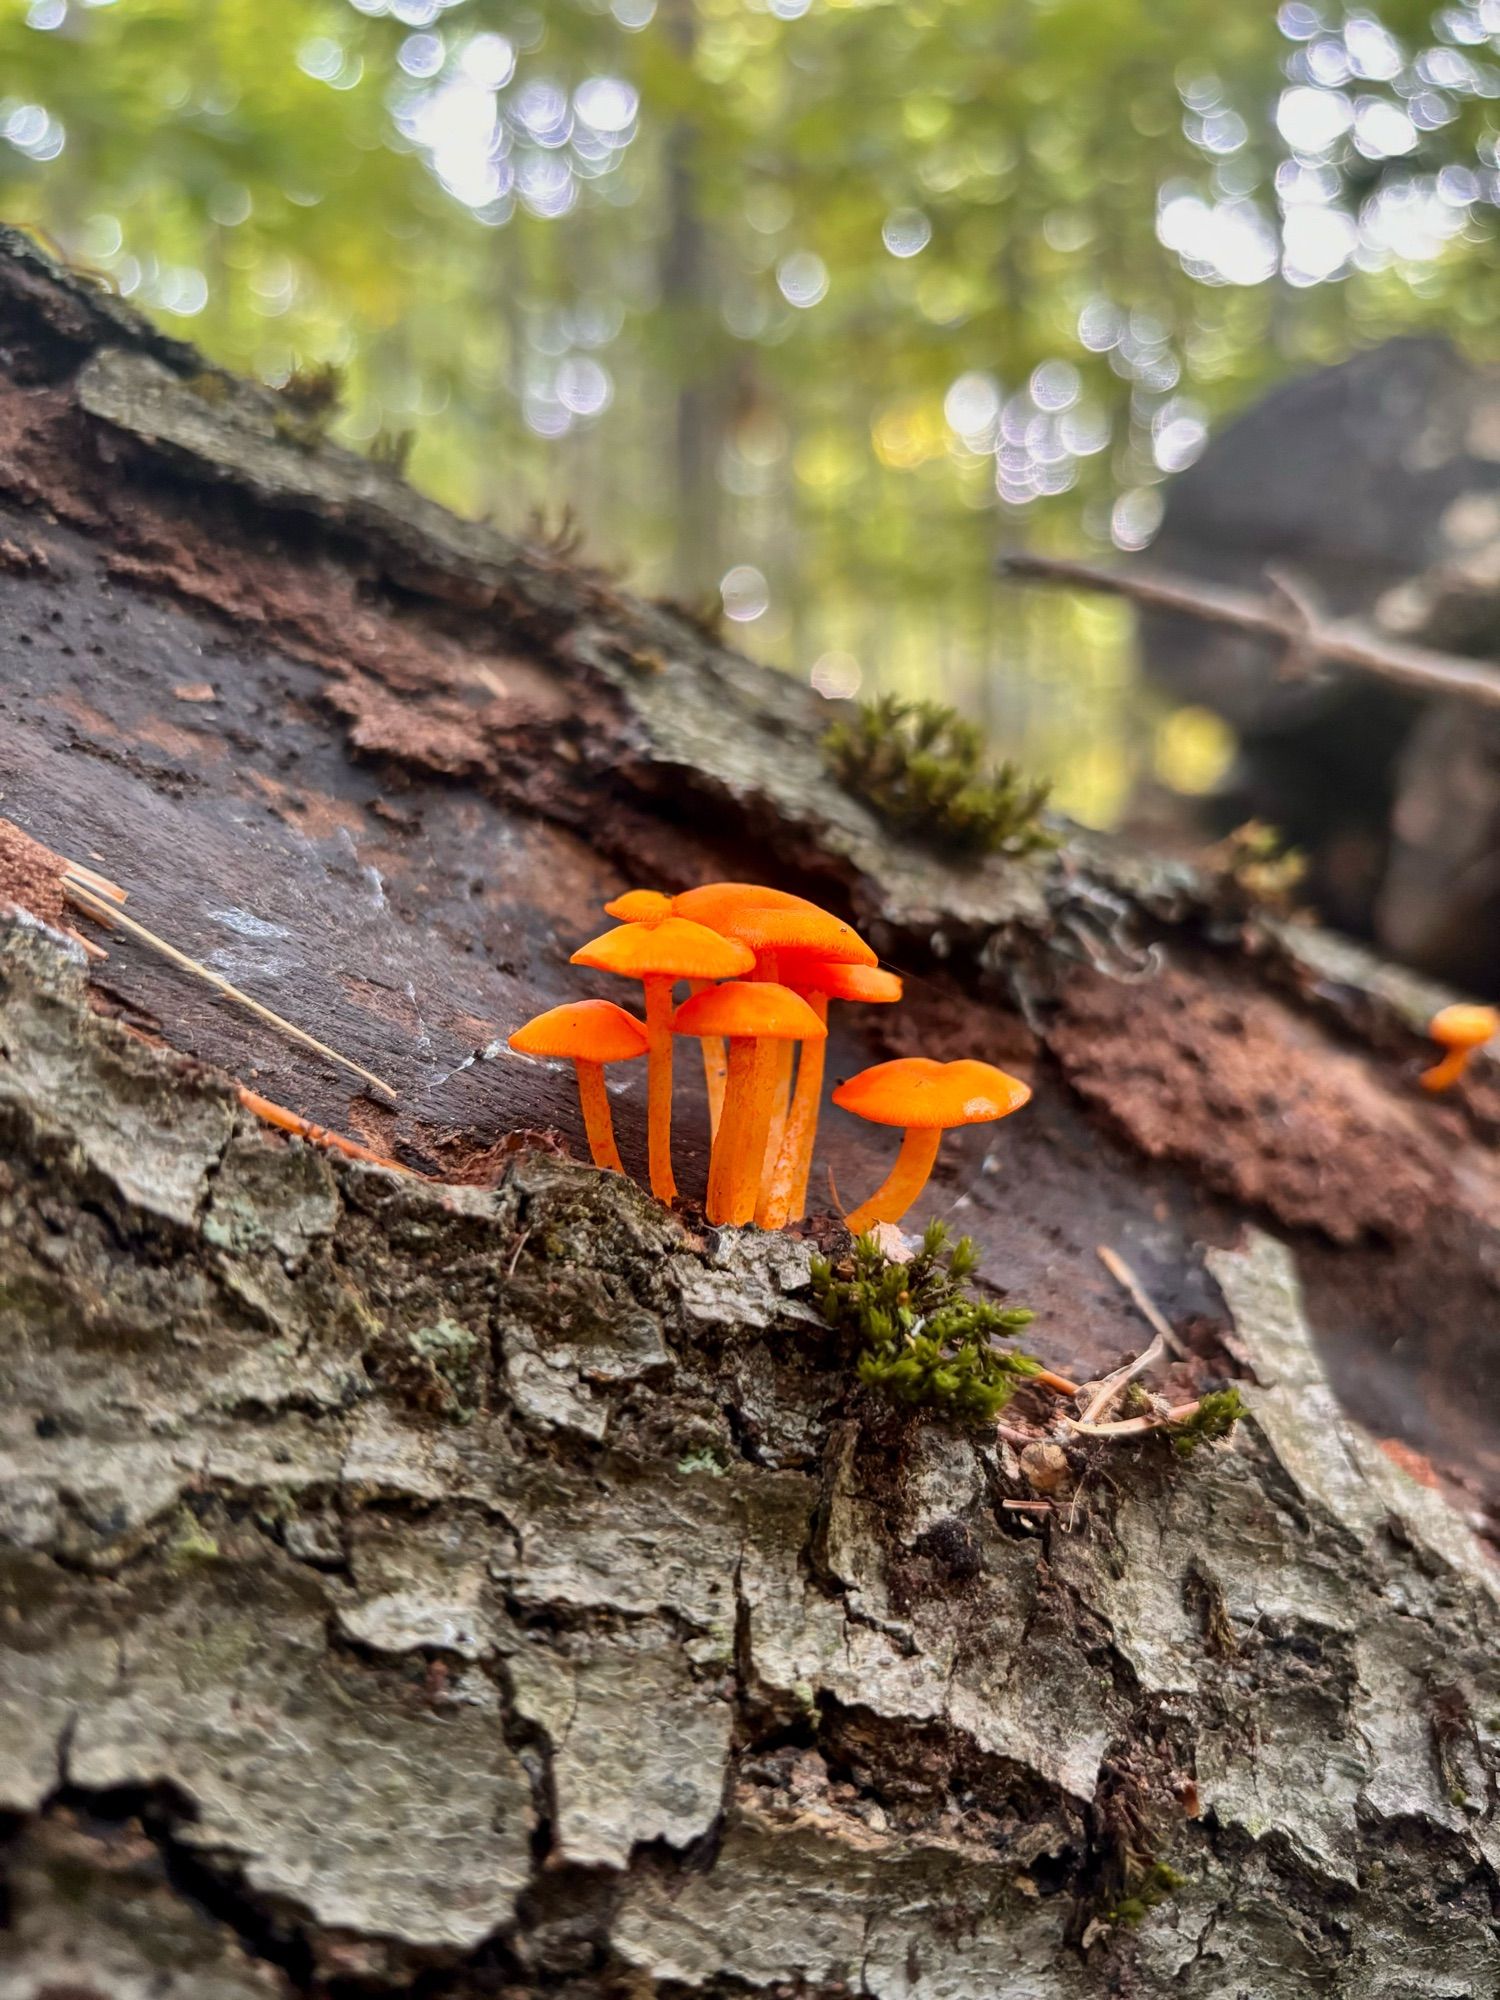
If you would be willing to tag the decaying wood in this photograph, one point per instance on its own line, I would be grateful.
(495, 1583)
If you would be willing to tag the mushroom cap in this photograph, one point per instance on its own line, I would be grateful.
(803, 928)
(840, 982)
(712, 900)
(672, 949)
(1464, 1027)
(918, 1093)
(749, 1007)
(587, 1030)
(640, 906)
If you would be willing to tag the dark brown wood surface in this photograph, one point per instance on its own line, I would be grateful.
(382, 769)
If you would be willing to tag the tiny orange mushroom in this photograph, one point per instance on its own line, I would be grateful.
(752, 1014)
(926, 1098)
(640, 906)
(590, 1033)
(1460, 1030)
(818, 981)
(659, 954)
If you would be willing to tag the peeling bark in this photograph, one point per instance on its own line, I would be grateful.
(498, 1583)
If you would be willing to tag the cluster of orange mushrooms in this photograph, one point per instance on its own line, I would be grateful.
(760, 966)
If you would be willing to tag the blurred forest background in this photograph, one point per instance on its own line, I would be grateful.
(817, 304)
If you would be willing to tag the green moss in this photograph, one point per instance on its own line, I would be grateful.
(921, 767)
(310, 399)
(392, 448)
(1215, 1417)
(1154, 1884)
(920, 1339)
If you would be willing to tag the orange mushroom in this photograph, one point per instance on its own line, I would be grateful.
(752, 1014)
(818, 981)
(659, 954)
(640, 906)
(590, 1033)
(703, 905)
(1460, 1030)
(712, 900)
(926, 1098)
(803, 931)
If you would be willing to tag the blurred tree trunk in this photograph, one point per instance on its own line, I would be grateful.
(493, 1583)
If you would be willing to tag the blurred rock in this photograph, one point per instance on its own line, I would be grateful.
(1375, 487)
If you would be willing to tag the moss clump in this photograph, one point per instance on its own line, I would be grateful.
(309, 402)
(1215, 1417)
(1257, 861)
(1153, 1885)
(921, 1340)
(392, 449)
(921, 767)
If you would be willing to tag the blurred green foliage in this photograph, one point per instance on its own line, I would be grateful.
(787, 288)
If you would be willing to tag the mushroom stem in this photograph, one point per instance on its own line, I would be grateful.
(742, 1052)
(906, 1180)
(1443, 1075)
(781, 1104)
(659, 1085)
(787, 1196)
(594, 1101)
(753, 1104)
(713, 1066)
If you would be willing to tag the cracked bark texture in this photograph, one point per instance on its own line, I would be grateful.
(495, 1583)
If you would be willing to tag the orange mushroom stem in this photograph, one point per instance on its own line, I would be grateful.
(1460, 1030)
(659, 954)
(784, 1198)
(781, 935)
(589, 1033)
(926, 1098)
(703, 905)
(752, 1015)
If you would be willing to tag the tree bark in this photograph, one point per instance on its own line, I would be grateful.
(494, 1582)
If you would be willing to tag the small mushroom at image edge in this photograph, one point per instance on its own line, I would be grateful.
(589, 1033)
(754, 1015)
(926, 1099)
(659, 954)
(1461, 1030)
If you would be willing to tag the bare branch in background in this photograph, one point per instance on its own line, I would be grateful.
(1343, 641)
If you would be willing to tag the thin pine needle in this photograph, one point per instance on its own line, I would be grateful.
(92, 879)
(105, 912)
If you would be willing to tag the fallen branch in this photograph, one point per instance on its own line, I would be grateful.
(1307, 639)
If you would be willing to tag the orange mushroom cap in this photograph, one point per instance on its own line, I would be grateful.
(749, 1007)
(672, 949)
(1464, 1027)
(924, 1095)
(840, 982)
(585, 1030)
(640, 906)
(804, 929)
(712, 900)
